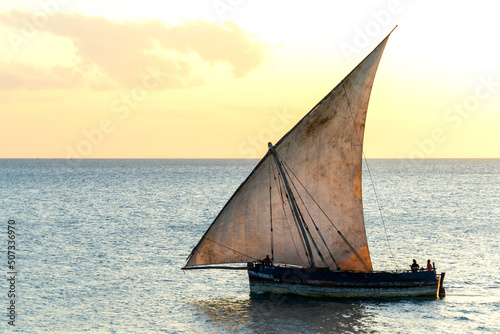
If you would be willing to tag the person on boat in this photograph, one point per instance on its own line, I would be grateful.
(429, 265)
(414, 266)
(267, 261)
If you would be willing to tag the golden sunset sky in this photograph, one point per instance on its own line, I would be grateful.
(221, 78)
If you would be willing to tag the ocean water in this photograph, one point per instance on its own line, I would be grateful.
(100, 244)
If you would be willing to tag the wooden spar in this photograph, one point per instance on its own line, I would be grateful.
(294, 206)
(215, 267)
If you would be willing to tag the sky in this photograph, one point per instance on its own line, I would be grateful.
(222, 78)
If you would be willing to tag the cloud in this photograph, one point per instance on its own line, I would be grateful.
(215, 42)
(120, 53)
(17, 75)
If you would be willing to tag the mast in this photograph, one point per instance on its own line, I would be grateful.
(294, 205)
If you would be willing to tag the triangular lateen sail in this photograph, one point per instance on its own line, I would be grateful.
(324, 152)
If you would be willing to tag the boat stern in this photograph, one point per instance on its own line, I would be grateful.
(441, 291)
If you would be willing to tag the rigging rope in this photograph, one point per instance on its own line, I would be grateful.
(217, 243)
(314, 223)
(371, 178)
(331, 222)
(312, 239)
(283, 203)
(292, 202)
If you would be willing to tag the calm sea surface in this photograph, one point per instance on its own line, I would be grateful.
(100, 244)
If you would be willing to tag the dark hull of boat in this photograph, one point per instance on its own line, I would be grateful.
(325, 283)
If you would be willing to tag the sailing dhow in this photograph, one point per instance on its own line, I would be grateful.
(302, 204)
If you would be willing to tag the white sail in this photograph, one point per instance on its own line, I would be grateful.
(324, 152)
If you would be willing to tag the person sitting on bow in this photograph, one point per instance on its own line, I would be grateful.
(429, 265)
(414, 266)
(267, 261)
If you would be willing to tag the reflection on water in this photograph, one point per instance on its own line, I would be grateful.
(270, 313)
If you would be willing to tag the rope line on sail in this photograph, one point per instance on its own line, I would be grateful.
(271, 211)
(297, 223)
(293, 204)
(280, 187)
(308, 193)
(313, 199)
(331, 222)
(354, 251)
(234, 250)
(314, 223)
(371, 178)
(306, 227)
(312, 239)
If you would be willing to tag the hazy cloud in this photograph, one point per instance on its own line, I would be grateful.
(17, 75)
(120, 53)
(214, 43)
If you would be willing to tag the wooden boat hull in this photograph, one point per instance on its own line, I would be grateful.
(326, 283)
